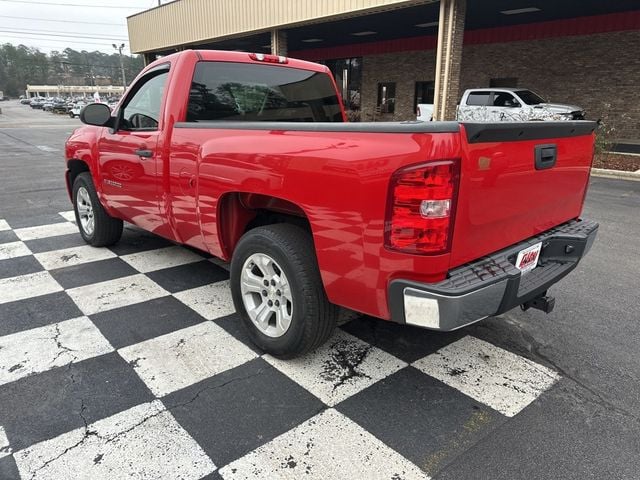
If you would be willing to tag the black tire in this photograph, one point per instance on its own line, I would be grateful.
(313, 316)
(107, 230)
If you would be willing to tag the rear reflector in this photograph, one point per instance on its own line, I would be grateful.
(421, 208)
(263, 57)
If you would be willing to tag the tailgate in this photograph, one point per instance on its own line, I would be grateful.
(517, 180)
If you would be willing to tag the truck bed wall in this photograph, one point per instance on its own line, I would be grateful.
(338, 176)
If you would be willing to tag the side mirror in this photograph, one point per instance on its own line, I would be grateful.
(97, 114)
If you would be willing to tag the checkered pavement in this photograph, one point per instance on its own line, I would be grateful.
(130, 362)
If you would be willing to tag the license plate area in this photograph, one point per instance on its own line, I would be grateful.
(527, 258)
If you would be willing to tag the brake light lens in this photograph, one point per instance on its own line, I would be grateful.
(420, 213)
(263, 57)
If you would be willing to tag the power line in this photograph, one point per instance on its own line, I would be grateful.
(90, 37)
(71, 4)
(63, 21)
(71, 41)
(56, 33)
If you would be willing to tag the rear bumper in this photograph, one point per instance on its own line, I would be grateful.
(491, 285)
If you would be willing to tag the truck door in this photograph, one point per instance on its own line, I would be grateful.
(504, 108)
(128, 156)
(475, 106)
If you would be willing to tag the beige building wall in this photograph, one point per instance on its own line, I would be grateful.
(192, 21)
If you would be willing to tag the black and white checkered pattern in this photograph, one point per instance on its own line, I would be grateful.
(130, 362)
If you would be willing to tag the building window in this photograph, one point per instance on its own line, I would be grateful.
(504, 82)
(348, 75)
(387, 97)
(423, 94)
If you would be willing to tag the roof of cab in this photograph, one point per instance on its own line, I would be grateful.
(242, 57)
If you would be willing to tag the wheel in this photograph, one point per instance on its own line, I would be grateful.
(277, 290)
(96, 226)
(72, 115)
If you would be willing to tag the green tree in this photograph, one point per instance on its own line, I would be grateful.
(21, 65)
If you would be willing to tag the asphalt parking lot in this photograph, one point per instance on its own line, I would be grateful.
(129, 362)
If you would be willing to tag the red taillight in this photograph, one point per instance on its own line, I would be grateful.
(263, 57)
(421, 207)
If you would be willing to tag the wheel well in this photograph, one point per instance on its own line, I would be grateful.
(75, 168)
(241, 212)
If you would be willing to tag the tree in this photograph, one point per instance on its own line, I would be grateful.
(21, 65)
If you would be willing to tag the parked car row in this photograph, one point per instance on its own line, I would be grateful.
(71, 106)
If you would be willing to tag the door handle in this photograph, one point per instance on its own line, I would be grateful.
(144, 153)
(545, 156)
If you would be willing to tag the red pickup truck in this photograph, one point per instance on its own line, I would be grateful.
(249, 157)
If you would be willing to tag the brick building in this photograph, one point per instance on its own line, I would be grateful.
(388, 55)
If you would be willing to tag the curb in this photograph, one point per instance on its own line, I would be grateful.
(619, 174)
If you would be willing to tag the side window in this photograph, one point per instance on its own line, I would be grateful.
(504, 99)
(478, 99)
(142, 109)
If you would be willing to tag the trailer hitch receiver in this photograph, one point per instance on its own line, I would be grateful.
(543, 302)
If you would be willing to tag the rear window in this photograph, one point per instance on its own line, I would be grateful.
(248, 92)
(478, 98)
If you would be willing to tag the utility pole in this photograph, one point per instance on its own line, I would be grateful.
(119, 48)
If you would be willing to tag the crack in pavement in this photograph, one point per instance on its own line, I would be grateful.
(93, 433)
(62, 348)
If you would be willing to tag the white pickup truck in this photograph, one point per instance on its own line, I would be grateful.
(505, 105)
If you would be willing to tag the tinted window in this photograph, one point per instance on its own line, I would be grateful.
(142, 109)
(478, 98)
(504, 99)
(248, 92)
(530, 98)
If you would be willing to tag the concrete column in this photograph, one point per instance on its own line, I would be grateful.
(449, 58)
(148, 58)
(279, 43)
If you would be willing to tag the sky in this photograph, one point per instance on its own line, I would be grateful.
(79, 24)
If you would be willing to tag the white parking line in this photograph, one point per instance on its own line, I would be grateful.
(184, 357)
(500, 379)
(144, 442)
(103, 296)
(27, 286)
(211, 301)
(160, 258)
(41, 349)
(13, 250)
(327, 446)
(340, 368)
(5, 448)
(45, 231)
(73, 256)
